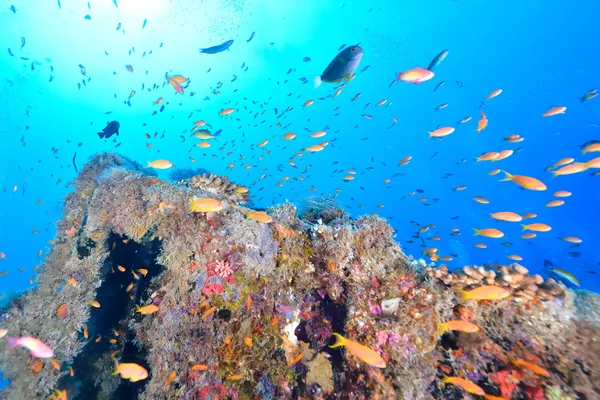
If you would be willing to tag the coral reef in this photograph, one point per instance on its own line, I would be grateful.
(246, 310)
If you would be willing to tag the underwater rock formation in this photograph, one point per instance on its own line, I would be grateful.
(247, 309)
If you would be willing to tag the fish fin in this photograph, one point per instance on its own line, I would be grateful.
(525, 227)
(508, 177)
(464, 295)
(339, 341)
(149, 164)
(476, 232)
(445, 379)
(318, 81)
(117, 133)
(12, 342)
(100, 134)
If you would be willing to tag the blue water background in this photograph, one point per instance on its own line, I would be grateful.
(541, 53)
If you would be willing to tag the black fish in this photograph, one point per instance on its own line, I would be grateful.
(111, 128)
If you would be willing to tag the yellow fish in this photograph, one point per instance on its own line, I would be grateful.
(205, 205)
(131, 371)
(365, 354)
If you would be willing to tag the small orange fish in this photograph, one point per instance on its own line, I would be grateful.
(507, 216)
(170, 378)
(94, 304)
(537, 227)
(572, 239)
(129, 287)
(55, 364)
(208, 312)
(234, 377)
(364, 353)
(493, 94)
(143, 271)
(248, 303)
(85, 331)
(158, 101)
(462, 326)
(525, 182)
(465, 384)
(199, 367)
(308, 103)
(289, 136)
(555, 111)
(482, 123)
(570, 169)
(71, 371)
(481, 200)
(295, 360)
(528, 235)
(486, 292)
(145, 310)
(62, 311)
(226, 111)
(555, 203)
(532, 367)
(248, 341)
(489, 232)
(514, 257)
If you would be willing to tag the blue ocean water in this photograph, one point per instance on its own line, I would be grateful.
(540, 53)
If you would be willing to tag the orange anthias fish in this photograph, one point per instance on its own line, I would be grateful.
(507, 216)
(363, 353)
(171, 377)
(159, 164)
(482, 123)
(465, 384)
(416, 75)
(145, 310)
(525, 182)
(537, 227)
(260, 216)
(62, 311)
(36, 347)
(572, 168)
(131, 371)
(226, 111)
(441, 132)
(532, 367)
(462, 326)
(493, 94)
(205, 205)
(59, 395)
(486, 292)
(175, 85)
(555, 111)
(489, 232)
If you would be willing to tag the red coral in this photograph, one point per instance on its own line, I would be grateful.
(507, 382)
(534, 393)
(212, 288)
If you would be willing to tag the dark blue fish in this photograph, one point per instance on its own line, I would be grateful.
(342, 66)
(89, 6)
(218, 132)
(115, 3)
(25, 58)
(306, 59)
(251, 37)
(342, 46)
(162, 108)
(144, 24)
(217, 49)
(365, 68)
(111, 129)
(59, 6)
(119, 26)
(437, 60)
(87, 17)
(439, 85)
(10, 52)
(22, 42)
(13, 9)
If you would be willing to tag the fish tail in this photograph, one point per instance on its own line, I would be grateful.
(508, 177)
(442, 328)
(477, 233)
(339, 341)
(12, 342)
(116, 366)
(445, 379)
(318, 81)
(525, 227)
(464, 295)
(149, 164)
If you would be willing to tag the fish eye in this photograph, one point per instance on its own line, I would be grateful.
(353, 49)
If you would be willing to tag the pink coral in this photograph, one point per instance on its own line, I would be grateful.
(223, 269)
(382, 337)
(507, 382)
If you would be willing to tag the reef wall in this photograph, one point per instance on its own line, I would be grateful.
(246, 310)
